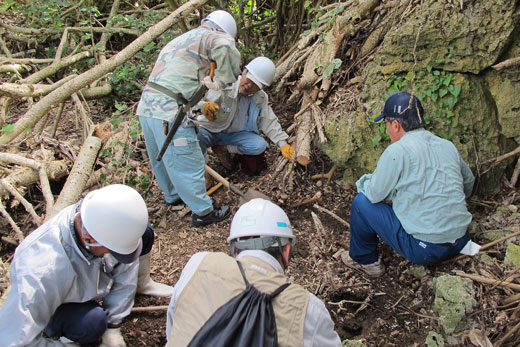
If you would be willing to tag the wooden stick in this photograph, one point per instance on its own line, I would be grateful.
(503, 157)
(33, 164)
(507, 335)
(149, 309)
(490, 244)
(332, 214)
(516, 173)
(511, 299)
(6, 215)
(486, 280)
(507, 64)
(315, 198)
(8, 240)
(28, 207)
(327, 175)
(214, 188)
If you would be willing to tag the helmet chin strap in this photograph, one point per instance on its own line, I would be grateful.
(261, 243)
(84, 235)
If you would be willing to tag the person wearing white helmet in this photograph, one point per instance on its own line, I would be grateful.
(261, 240)
(234, 117)
(85, 254)
(182, 67)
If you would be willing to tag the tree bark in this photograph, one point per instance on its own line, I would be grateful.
(78, 176)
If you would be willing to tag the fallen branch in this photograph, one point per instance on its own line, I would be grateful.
(497, 160)
(516, 173)
(507, 64)
(6, 215)
(486, 280)
(78, 176)
(332, 214)
(30, 118)
(488, 245)
(9, 241)
(315, 198)
(23, 178)
(16, 90)
(149, 309)
(28, 207)
(328, 175)
(42, 174)
(507, 335)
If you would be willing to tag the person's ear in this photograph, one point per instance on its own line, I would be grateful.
(286, 252)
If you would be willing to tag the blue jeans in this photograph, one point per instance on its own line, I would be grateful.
(82, 322)
(368, 221)
(180, 173)
(247, 142)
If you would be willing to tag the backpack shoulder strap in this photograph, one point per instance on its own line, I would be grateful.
(243, 274)
(274, 293)
(279, 290)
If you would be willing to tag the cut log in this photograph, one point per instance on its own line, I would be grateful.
(79, 175)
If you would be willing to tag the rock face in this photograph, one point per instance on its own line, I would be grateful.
(453, 302)
(467, 102)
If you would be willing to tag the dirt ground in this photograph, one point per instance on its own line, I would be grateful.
(394, 310)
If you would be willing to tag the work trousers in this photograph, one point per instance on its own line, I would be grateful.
(368, 221)
(180, 173)
(246, 142)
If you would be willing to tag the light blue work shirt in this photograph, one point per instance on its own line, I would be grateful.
(427, 181)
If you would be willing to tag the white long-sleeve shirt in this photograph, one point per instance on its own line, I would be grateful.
(49, 269)
(265, 120)
(318, 328)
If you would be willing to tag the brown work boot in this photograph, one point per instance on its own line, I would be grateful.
(224, 156)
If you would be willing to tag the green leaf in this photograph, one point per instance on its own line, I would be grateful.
(450, 113)
(456, 90)
(443, 92)
(376, 139)
(149, 47)
(429, 68)
(436, 73)
(439, 61)
(7, 128)
(409, 76)
(451, 101)
(437, 113)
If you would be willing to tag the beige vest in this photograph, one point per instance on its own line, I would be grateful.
(218, 279)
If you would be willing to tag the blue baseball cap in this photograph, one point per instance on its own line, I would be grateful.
(398, 105)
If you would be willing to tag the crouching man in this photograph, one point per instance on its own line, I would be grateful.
(86, 254)
(261, 240)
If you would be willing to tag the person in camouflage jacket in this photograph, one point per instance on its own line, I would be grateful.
(182, 67)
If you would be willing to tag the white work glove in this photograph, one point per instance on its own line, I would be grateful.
(208, 82)
(113, 338)
(68, 343)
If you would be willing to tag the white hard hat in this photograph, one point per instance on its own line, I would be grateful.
(224, 20)
(117, 217)
(260, 217)
(262, 70)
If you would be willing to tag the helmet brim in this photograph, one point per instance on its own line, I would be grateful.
(128, 258)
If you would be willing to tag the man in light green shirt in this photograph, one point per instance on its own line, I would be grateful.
(426, 181)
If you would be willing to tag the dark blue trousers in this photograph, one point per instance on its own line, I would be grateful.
(83, 322)
(86, 322)
(368, 221)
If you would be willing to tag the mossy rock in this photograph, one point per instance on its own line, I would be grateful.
(453, 303)
(471, 40)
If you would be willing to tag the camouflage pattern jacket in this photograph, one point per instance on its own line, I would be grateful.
(181, 66)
